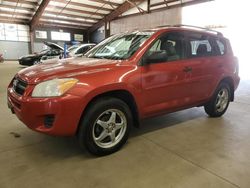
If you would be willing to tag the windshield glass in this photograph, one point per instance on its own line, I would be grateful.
(43, 51)
(70, 49)
(119, 46)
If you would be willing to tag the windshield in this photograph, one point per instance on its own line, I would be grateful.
(119, 46)
(43, 51)
(70, 49)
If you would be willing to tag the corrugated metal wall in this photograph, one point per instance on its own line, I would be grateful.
(13, 49)
(98, 35)
(154, 19)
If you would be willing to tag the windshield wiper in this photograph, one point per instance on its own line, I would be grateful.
(98, 57)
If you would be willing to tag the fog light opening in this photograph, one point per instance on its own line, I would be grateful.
(49, 120)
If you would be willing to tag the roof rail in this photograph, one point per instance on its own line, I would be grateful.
(196, 27)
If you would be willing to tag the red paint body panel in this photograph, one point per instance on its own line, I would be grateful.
(156, 88)
(67, 111)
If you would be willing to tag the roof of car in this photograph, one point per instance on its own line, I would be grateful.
(87, 44)
(185, 28)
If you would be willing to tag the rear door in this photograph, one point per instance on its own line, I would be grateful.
(204, 64)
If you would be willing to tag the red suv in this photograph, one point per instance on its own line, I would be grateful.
(125, 78)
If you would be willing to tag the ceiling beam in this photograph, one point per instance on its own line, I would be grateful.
(114, 14)
(38, 14)
(15, 21)
(75, 10)
(169, 7)
(194, 2)
(15, 16)
(77, 22)
(17, 7)
(57, 22)
(17, 13)
(11, 18)
(22, 2)
(83, 5)
(71, 16)
(44, 24)
(164, 3)
(107, 2)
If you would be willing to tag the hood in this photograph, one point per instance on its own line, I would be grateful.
(29, 56)
(53, 46)
(71, 67)
(35, 55)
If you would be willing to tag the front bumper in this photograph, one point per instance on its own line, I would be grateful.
(65, 111)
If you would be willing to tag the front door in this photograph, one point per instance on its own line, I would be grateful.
(165, 75)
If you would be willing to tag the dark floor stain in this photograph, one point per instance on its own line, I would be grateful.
(16, 135)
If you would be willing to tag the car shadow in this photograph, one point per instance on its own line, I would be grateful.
(67, 147)
(58, 148)
(22, 67)
(160, 122)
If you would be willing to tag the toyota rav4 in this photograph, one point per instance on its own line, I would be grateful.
(126, 78)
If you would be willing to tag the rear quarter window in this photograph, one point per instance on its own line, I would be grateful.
(221, 44)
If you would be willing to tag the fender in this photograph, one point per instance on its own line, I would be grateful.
(91, 94)
(230, 80)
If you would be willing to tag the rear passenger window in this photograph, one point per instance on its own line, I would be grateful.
(200, 46)
(221, 46)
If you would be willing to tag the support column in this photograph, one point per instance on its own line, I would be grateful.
(32, 41)
(107, 29)
(88, 37)
(148, 8)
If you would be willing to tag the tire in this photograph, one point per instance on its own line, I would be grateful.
(105, 126)
(218, 105)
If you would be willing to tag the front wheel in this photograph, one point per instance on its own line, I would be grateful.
(105, 126)
(218, 105)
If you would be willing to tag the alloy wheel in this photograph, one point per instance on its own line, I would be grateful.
(109, 128)
(222, 100)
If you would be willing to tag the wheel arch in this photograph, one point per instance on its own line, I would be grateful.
(230, 82)
(121, 94)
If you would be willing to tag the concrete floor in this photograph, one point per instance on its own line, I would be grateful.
(184, 149)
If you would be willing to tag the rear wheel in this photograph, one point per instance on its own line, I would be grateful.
(218, 105)
(105, 126)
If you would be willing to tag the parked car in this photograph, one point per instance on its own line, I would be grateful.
(149, 73)
(53, 51)
(56, 52)
(1, 58)
(80, 49)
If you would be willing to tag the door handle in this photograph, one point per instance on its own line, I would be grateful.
(187, 69)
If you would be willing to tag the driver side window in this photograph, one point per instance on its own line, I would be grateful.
(167, 48)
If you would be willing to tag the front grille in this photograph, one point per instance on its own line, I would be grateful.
(19, 86)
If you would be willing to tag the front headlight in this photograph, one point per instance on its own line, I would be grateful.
(53, 88)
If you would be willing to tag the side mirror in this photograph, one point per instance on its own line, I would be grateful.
(156, 57)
